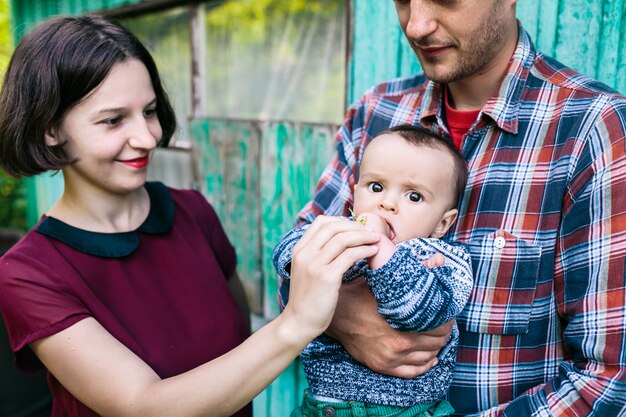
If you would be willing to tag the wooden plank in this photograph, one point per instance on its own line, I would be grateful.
(620, 79)
(579, 35)
(378, 47)
(539, 18)
(293, 157)
(229, 177)
(283, 395)
(610, 58)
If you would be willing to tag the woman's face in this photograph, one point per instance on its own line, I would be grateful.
(111, 133)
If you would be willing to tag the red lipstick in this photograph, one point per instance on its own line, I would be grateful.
(137, 163)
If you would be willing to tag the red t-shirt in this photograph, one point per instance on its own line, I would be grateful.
(459, 122)
(161, 290)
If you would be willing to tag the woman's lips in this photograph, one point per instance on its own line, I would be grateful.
(138, 163)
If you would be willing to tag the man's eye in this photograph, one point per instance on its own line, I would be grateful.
(375, 187)
(415, 197)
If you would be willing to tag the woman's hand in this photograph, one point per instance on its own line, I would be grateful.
(319, 260)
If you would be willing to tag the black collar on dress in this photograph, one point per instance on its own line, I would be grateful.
(115, 245)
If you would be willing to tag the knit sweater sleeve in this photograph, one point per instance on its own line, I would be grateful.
(281, 258)
(412, 297)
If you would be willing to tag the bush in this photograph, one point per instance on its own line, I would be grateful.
(12, 203)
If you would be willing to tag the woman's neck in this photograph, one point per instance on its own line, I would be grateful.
(98, 212)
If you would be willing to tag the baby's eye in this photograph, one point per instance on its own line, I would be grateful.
(375, 187)
(415, 196)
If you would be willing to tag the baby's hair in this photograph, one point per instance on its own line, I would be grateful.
(420, 136)
(54, 68)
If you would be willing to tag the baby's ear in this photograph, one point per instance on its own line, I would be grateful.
(444, 224)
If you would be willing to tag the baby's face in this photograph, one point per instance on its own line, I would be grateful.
(408, 186)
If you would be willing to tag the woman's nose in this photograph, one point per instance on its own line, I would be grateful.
(143, 135)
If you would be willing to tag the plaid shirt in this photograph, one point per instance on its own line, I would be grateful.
(544, 216)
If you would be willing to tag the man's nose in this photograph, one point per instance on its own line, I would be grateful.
(422, 20)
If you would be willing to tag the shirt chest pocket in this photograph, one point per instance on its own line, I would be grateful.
(505, 279)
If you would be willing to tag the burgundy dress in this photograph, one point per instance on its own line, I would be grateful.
(160, 290)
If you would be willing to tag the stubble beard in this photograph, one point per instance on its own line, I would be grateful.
(479, 50)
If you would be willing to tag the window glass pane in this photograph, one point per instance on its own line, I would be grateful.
(166, 34)
(276, 59)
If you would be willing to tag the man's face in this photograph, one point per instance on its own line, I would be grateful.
(457, 39)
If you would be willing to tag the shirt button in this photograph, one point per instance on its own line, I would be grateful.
(328, 411)
(499, 242)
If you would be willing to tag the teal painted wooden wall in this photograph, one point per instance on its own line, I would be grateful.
(587, 35)
(28, 12)
(259, 174)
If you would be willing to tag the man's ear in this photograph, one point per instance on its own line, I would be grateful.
(444, 224)
(52, 136)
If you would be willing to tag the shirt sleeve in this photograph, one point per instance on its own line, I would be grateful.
(35, 303)
(412, 297)
(589, 284)
(281, 259)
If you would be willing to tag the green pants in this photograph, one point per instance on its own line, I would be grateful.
(312, 408)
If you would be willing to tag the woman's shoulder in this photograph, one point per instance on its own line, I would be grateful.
(190, 201)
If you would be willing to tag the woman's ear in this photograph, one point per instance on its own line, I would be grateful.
(52, 136)
(444, 224)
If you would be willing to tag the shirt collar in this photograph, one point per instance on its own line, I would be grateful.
(115, 245)
(503, 108)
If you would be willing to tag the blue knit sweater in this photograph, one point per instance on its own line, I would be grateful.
(410, 297)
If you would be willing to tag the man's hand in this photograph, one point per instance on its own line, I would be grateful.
(369, 339)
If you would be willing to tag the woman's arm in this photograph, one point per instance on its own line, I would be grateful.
(110, 379)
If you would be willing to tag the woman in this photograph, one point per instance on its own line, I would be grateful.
(126, 291)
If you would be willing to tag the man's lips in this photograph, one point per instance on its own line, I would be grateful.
(140, 162)
(432, 51)
(431, 48)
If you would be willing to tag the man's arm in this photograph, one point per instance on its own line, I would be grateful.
(369, 339)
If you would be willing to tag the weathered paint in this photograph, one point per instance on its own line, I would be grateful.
(258, 175)
(26, 13)
(281, 164)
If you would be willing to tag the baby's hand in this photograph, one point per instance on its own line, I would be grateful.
(374, 223)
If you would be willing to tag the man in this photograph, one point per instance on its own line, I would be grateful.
(544, 216)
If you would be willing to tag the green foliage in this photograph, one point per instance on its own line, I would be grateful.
(6, 40)
(12, 191)
(257, 15)
(13, 206)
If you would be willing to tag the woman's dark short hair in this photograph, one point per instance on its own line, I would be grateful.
(52, 69)
(419, 135)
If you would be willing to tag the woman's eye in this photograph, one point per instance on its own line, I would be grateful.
(415, 197)
(375, 187)
(150, 113)
(113, 121)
